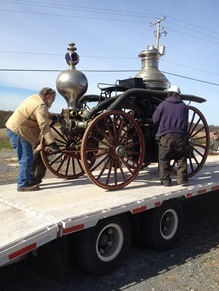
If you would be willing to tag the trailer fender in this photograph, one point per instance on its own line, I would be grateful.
(161, 226)
(100, 249)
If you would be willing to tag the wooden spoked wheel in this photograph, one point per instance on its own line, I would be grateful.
(65, 164)
(134, 110)
(198, 142)
(112, 150)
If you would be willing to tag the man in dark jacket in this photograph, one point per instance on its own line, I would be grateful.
(171, 115)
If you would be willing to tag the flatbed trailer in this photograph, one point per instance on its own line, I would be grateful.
(97, 224)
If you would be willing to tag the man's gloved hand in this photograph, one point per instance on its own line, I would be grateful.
(53, 148)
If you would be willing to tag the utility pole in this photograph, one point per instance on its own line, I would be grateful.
(158, 32)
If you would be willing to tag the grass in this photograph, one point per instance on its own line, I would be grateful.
(5, 143)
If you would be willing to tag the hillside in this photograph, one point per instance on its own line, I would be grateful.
(4, 115)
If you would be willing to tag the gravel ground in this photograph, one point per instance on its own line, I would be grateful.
(9, 167)
(193, 264)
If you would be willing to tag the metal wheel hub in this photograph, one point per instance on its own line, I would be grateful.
(169, 224)
(105, 244)
(120, 151)
(109, 242)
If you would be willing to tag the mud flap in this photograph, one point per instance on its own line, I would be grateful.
(50, 260)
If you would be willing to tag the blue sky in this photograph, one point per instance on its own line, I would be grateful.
(108, 35)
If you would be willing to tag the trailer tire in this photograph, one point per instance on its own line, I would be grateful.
(100, 249)
(136, 226)
(161, 227)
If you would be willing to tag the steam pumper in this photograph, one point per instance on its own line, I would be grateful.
(113, 140)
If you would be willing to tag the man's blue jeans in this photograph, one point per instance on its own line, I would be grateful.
(25, 157)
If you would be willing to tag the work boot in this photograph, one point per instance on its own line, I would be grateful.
(28, 188)
(35, 182)
(166, 183)
(182, 182)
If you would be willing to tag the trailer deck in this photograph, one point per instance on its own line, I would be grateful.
(32, 219)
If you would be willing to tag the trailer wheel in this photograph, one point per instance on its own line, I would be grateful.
(161, 226)
(100, 249)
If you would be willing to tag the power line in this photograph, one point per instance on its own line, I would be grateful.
(192, 35)
(56, 54)
(105, 11)
(107, 71)
(200, 32)
(83, 8)
(193, 79)
(104, 57)
(74, 16)
(200, 27)
(108, 11)
(115, 20)
(189, 67)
